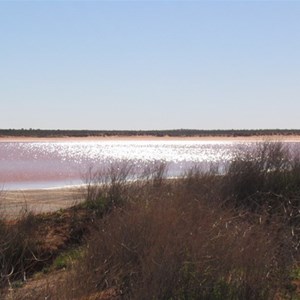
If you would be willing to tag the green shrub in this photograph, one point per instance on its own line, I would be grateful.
(67, 259)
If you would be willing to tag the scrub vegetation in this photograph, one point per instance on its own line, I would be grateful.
(202, 236)
(156, 133)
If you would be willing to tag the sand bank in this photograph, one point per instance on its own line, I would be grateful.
(284, 138)
(12, 203)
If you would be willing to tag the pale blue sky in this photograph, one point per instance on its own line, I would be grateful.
(150, 65)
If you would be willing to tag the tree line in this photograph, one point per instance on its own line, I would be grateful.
(157, 133)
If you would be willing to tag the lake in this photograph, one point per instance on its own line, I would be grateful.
(44, 164)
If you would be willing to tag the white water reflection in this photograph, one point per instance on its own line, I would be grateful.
(44, 164)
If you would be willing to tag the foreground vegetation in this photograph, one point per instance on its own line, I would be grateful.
(203, 236)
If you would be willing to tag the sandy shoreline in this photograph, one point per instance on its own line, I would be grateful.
(284, 138)
(12, 203)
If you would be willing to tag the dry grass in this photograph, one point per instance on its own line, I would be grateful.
(18, 249)
(171, 250)
(174, 241)
(203, 236)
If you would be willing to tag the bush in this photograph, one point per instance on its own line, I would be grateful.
(19, 250)
(106, 188)
(266, 177)
(176, 247)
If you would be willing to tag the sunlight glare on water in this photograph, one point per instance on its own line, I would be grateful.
(29, 164)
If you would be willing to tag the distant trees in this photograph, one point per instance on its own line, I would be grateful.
(159, 133)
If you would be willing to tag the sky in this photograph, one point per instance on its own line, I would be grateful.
(136, 65)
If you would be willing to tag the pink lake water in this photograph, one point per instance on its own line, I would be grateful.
(44, 164)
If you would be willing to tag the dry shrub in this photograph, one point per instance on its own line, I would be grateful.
(111, 187)
(180, 248)
(269, 168)
(199, 184)
(267, 178)
(106, 188)
(154, 173)
(19, 249)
